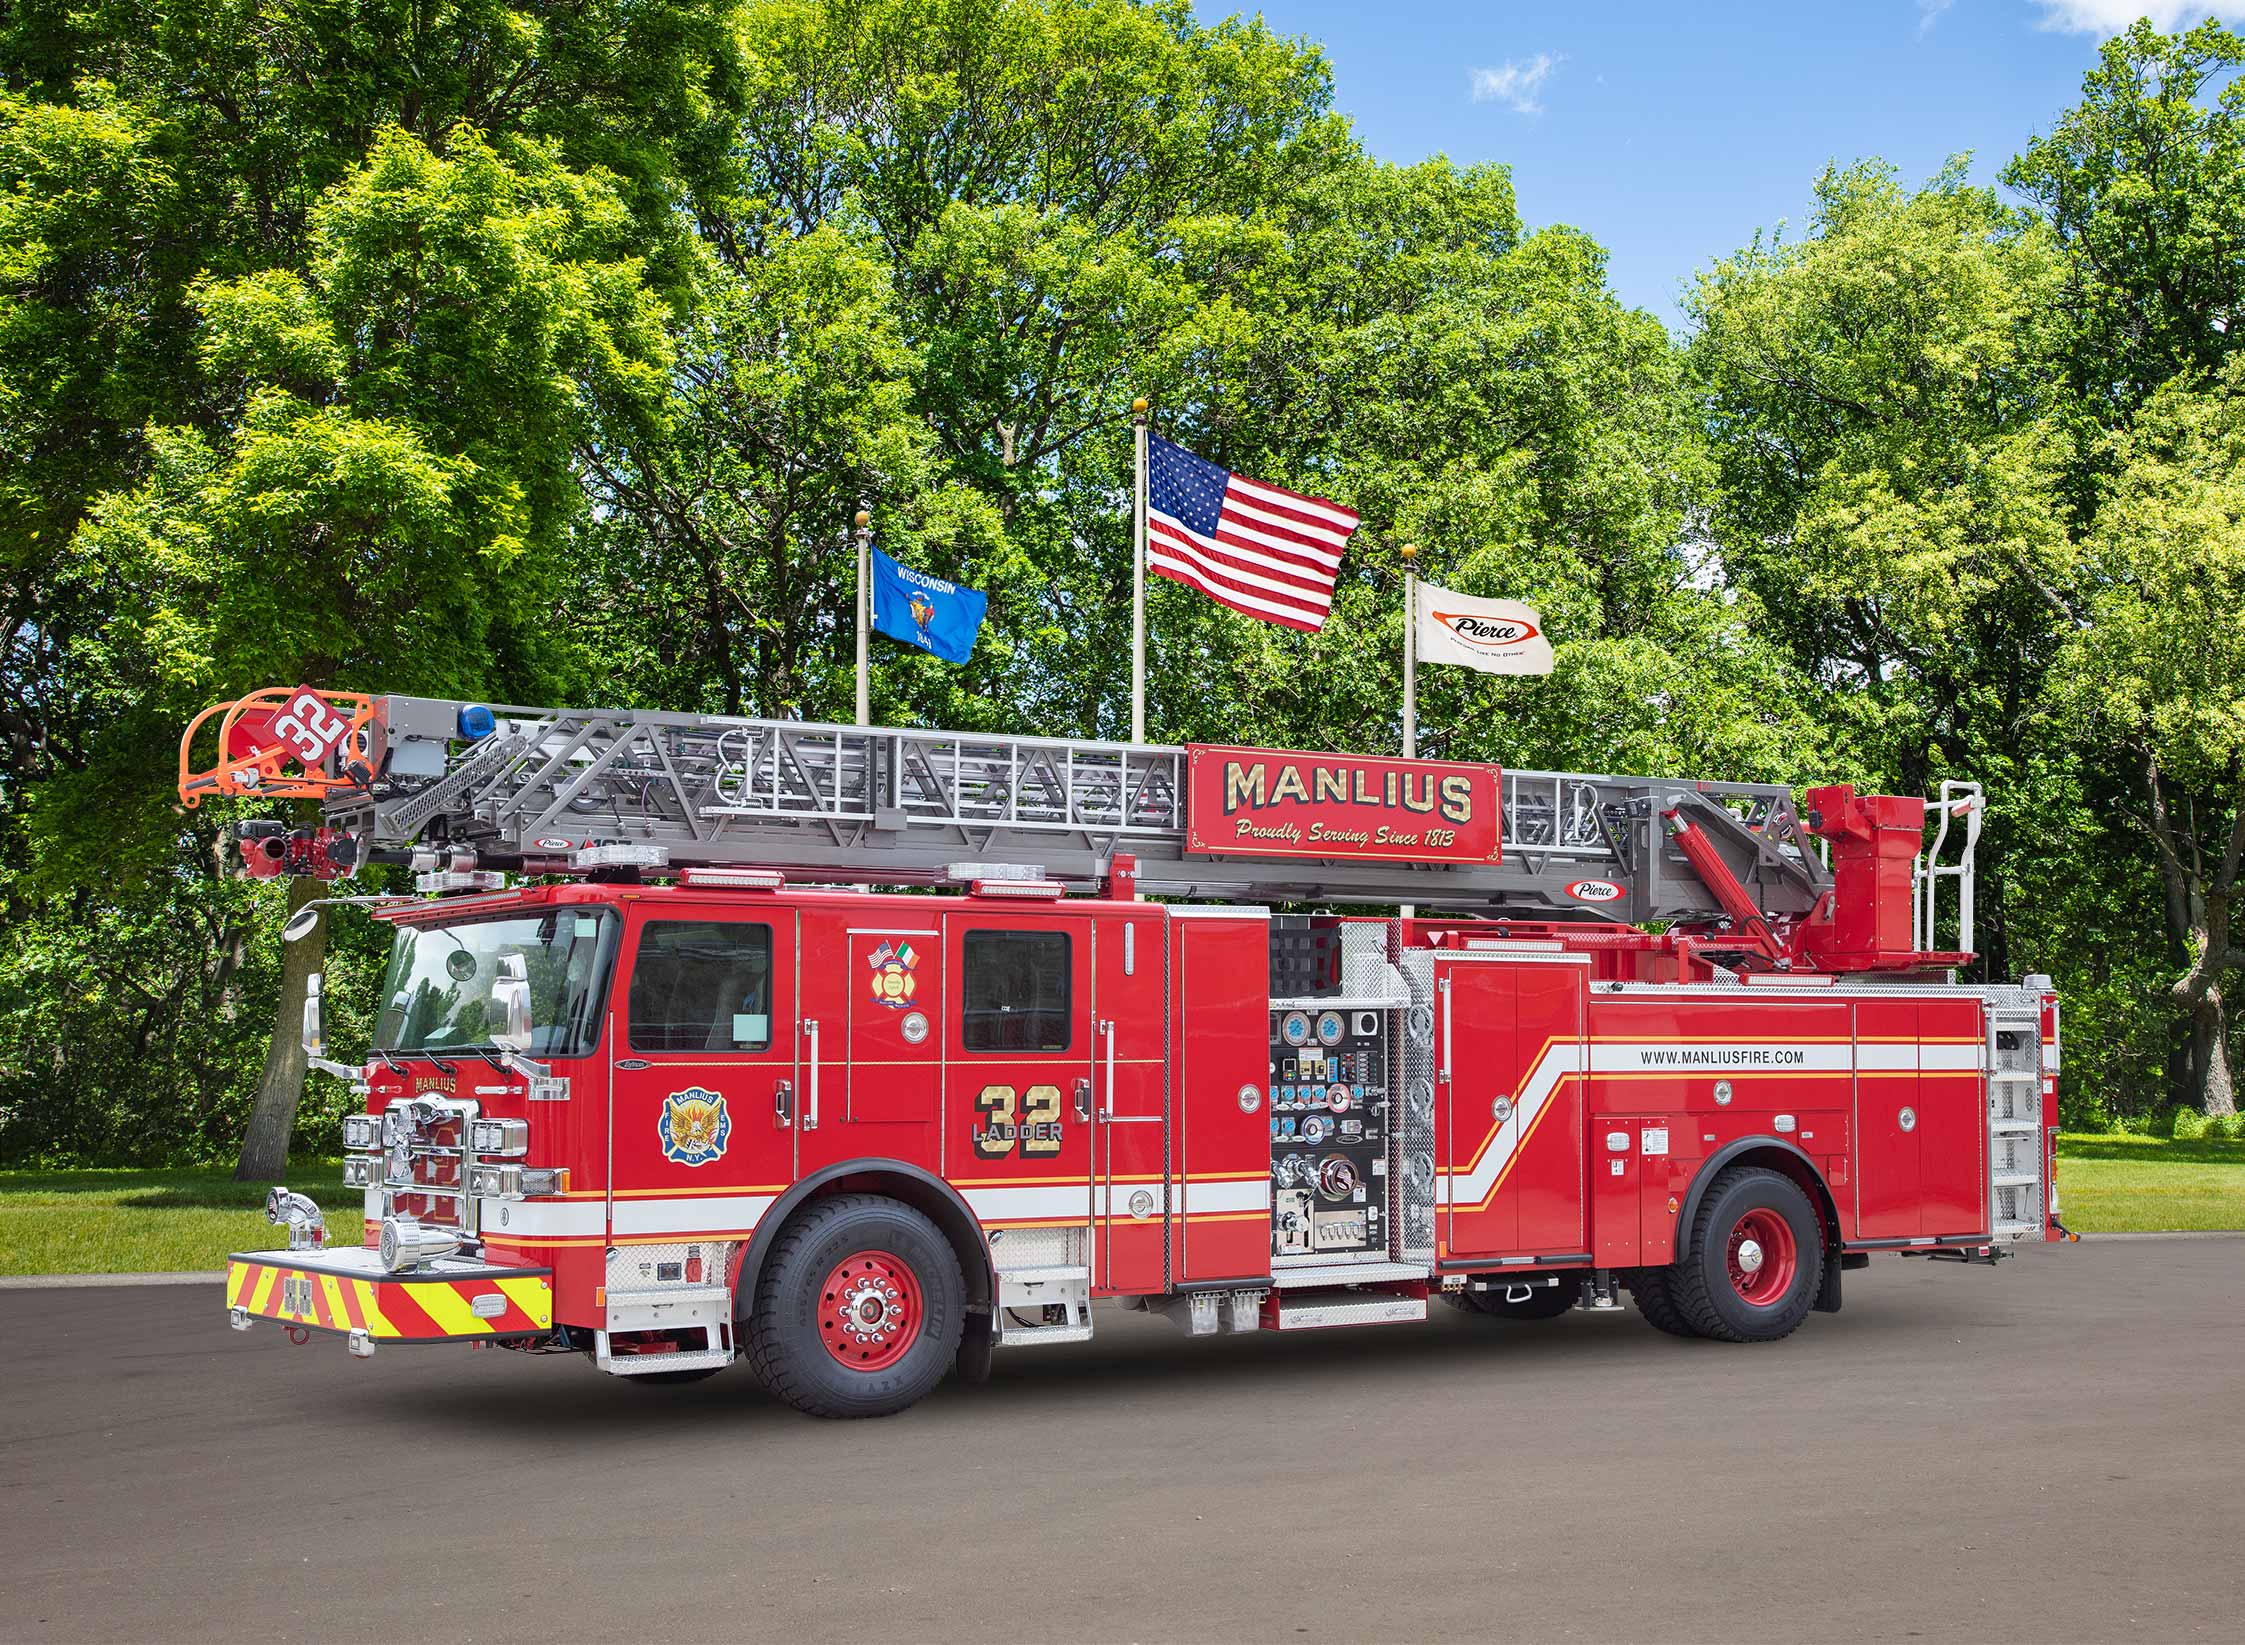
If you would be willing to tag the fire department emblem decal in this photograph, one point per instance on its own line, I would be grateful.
(892, 968)
(694, 1126)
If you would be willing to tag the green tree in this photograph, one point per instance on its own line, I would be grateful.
(385, 507)
(2143, 186)
(1889, 478)
(2157, 668)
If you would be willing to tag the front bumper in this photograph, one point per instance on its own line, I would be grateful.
(350, 1293)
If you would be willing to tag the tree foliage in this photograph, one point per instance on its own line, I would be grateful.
(539, 353)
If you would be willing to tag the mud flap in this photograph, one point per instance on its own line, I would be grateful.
(975, 1343)
(1828, 1294)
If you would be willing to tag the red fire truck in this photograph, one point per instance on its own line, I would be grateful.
(862, 1052)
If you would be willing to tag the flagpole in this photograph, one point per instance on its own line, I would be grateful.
(864, 615)
(1138, 578)
(1410, 551)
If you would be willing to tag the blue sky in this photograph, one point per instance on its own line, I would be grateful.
(1671, 131)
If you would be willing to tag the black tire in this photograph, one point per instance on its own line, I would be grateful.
(676, 1379)
(793, 1318)
(1546, 1302)
(1700, 1284)
(1648, 1288)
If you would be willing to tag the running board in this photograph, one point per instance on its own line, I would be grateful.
(1320, 1310)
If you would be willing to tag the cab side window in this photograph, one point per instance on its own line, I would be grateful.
(1015, 996)
(701, 985)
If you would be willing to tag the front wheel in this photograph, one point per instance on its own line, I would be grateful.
(860, 1309)
(1755, 1261)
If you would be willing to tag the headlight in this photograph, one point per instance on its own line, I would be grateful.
(496, 1182)
(362, 1131)
(503, 1137)
(362, 1171)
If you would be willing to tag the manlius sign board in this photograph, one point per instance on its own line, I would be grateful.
(1272, 802)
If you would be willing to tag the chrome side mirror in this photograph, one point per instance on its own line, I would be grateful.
(511, 990)
(302, 923)
(315, 1034)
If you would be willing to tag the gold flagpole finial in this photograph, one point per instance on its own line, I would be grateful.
(1138, 408)
(863, 519)
(1409, 551)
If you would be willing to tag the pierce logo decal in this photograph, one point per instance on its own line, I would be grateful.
(694, 1126)
(1595, 891)
(1487, 633)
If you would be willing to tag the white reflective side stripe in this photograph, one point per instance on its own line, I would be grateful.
(1021, 1204)
(1952, 1058)
(726, 1214)
(1736, 1057)
(547, 1219)
(1874, 1057)
(1205, 1197)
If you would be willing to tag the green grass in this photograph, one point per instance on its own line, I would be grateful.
(2122, 1184)
(114, 1222)
(140, 1222)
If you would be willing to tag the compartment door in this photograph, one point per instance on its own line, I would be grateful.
(1130, 1108)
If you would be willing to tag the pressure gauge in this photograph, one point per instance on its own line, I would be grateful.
(1295, 1030)
(1315, 1128)
(1330, 1028)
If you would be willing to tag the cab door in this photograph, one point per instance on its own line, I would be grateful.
(704, 1053)
(1019, 1047)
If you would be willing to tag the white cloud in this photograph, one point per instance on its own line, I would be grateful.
(2111, 16)
(1516, 84)
(1929, 13)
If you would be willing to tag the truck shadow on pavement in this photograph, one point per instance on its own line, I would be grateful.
(1130, 1362)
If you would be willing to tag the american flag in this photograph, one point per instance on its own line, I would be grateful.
(1257, 548)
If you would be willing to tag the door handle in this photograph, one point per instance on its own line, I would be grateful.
(1444, 987)
(810, 1108)
(1083, 1096)
(783, 1103)
(1107, 1028)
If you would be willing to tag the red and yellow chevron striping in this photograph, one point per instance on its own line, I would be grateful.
(391, 1307)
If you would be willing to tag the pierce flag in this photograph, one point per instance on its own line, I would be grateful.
(1495, 636)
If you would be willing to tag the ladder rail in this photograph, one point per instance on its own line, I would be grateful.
(897, 803)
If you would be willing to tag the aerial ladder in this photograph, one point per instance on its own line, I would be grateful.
(465, 793)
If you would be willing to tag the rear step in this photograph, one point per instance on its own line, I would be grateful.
(1339, 1305)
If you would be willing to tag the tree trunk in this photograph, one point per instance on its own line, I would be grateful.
(2217, 1089)
(273, 1116)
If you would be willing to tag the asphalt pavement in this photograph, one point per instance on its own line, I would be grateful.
(2050, 1450)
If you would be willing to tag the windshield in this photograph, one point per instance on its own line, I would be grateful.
(438, 993)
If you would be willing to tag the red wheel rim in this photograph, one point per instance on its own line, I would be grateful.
(869, 1310)
(1762, 1258)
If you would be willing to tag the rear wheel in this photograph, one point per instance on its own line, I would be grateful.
(1648, 1288)
(1756, 1259)
(859, 1310)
